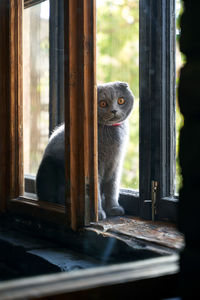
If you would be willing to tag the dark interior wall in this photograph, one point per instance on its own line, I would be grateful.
(189, 153)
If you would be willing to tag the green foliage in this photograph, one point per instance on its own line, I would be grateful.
(117, 42)
(118, 59)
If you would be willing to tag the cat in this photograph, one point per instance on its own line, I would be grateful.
(115, 103)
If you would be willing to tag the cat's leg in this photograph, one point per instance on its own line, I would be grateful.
(111, 193)
(61, 185)
(101, 212)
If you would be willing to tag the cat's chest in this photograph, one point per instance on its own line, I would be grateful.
(111, 138)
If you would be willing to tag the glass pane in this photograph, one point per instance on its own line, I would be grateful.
(35, 84)
(118, 60)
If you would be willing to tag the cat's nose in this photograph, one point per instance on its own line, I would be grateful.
(113, 111)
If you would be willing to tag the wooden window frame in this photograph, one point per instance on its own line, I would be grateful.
(80, 116)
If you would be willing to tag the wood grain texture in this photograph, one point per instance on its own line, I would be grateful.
(16, 97)
(11, 158)
(11, 126)
(80, 105)
(80, 112)
(158, 233)
(4, 108)
(38, 210)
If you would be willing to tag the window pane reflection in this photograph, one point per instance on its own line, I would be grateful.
(35, 84)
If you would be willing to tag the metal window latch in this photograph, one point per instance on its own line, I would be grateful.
(154, 189)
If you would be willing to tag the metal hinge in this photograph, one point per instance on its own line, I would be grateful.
(154, 190)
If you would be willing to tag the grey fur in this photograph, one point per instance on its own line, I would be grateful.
(112, 141)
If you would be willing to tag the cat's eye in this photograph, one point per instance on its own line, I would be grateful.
(121, 101)
(103, 103)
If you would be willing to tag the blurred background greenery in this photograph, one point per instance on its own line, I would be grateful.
(118, 59)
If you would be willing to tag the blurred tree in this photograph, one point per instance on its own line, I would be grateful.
(118, 59)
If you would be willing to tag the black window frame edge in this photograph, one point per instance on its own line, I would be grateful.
(157, 98)
(56, 64)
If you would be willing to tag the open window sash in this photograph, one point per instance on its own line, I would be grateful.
(80, 115)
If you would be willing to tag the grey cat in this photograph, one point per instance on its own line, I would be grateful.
(115, 103)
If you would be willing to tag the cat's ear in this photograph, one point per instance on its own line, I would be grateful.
(123, 84)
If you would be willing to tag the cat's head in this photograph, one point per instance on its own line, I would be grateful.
(115, 102)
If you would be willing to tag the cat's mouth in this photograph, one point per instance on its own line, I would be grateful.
(112, 121)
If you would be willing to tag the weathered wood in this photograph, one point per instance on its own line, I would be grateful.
(11, 101)
(39, 210)
(16, 94)
(80, 112)
(160, 233)
(81, 120)
(4, 108)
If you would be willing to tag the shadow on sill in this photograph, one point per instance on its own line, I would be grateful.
(29, 250)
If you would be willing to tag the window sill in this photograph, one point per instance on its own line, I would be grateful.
(161, 237)
(131, 261)
(119, 240)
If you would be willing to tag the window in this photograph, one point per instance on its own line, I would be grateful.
(75, 77)
(118, 59)
(153, 26)
(81, 169)
(47, 81)
(63, 62)
(157, 108)
(35, 85)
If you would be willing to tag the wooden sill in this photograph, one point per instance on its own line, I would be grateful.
(142, 276)
(159, 235)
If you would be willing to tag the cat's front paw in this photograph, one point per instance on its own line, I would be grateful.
(115, 211)
(101, 215)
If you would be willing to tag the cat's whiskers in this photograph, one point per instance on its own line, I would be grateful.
(106, 119)
(108, 116)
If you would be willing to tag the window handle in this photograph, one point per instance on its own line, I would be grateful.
(154, 190)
